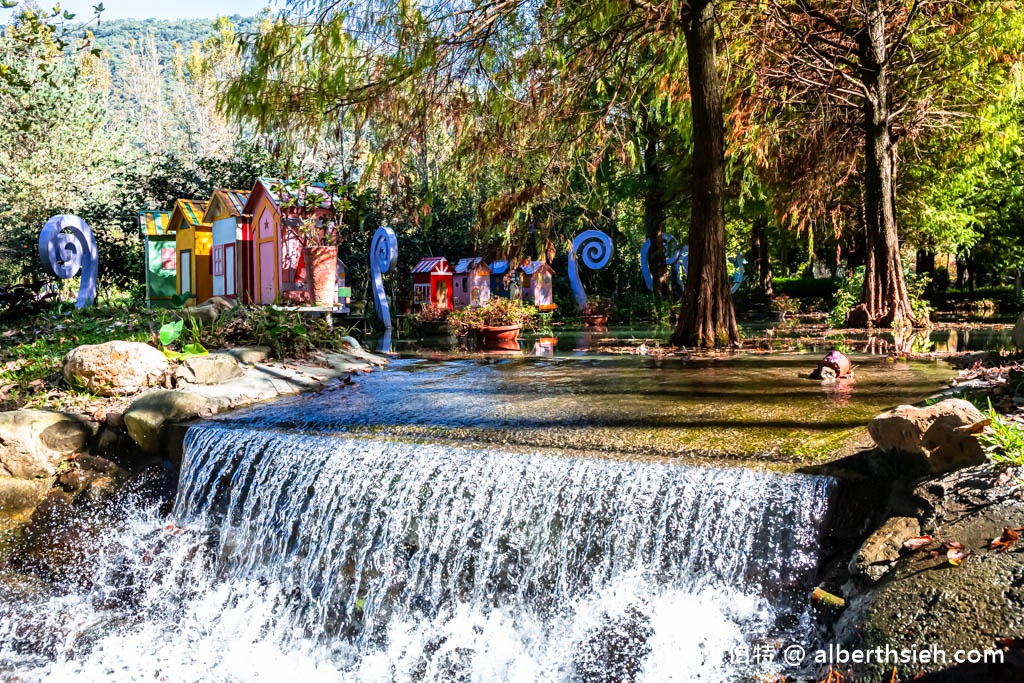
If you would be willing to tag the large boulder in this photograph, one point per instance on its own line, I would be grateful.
(114, 368)
(1018, 332)
(937, 438)
(147, 418)
(33, 442)
(249, 354)
(212, 369)
(209, 311)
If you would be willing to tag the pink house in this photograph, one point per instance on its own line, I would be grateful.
(472, 286)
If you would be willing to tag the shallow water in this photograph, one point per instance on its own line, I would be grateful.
(748, 406)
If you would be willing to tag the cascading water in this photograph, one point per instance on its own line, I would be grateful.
(324, 556)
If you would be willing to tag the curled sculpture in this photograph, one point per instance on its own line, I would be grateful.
(66, 246)
(383, 257)
(737, 274)
(672, 256)
(595, 248)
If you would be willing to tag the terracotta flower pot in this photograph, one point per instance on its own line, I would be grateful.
(504, 338)
(324, 260)
(595, 320)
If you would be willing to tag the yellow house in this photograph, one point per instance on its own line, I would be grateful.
(193, 243)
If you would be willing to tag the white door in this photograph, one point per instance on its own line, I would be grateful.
(229, 270)
(185, 265)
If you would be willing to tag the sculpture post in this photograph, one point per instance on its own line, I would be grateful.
(595, 249)
(67, 246)
(383, 257)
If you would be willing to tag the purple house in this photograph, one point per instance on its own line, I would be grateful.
(536, 283)
(472, 282)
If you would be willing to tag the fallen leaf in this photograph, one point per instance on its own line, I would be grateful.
(916, 543)
(1003, 543)
(976, 428)
(952, 545)
(956, 557)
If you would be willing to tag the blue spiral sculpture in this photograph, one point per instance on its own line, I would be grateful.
(383, 257)
(737, 274)
(672, 260)
(595, 248)
(66, 246)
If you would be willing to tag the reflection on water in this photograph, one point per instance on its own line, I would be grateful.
(764, 336)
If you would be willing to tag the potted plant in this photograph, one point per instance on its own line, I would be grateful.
(783, 307)
(315, 211)
(595, 313)
(497, 323)
(432, 321)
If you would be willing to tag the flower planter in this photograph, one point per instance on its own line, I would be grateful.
(434, 328)
(595, 320)
(324, 268)
(504, 338)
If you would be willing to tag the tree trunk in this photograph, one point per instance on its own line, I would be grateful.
(760, 257)
(654, 205)
(925, 265)
(708, 318)
(885, 300)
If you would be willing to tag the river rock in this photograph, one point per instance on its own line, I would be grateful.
(249, 354)
(57, 542)
(926, 602)
(209, 311)
(17, 495)
(33, 442)
(147, 418)
(114, 368)
(881, 550)
(213, 369)
(931, 437)
(1018, 332)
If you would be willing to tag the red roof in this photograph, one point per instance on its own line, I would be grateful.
(433, 264)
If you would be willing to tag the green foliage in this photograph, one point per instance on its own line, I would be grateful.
(288, 333)
(847, 297)
(497, 312)
(1003, 440)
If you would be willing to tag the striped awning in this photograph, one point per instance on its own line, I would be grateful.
(432, 264)
(155, 223)
(467, 264)
(191, 211)
(233, 201)
(533, 266)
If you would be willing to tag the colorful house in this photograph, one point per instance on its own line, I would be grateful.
(472, 282)
(499, 282)
(161, 257)
(279, 261)
(231, 261)
(432, 282)
(536, 283)
(193, 242)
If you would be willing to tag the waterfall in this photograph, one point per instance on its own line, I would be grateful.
(331, 556)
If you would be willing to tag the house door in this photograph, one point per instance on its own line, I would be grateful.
(185, 264)
(229, 271)
(268, 270)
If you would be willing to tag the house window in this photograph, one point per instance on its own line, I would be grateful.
(218, 260)
(169, 258)
(421, 294)
(465, 284)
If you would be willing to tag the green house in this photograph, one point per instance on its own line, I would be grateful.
(161, 258)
